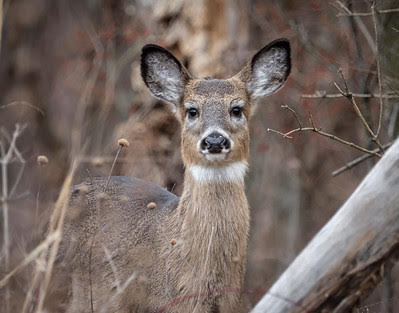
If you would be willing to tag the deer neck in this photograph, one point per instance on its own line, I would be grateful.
(213, 203)
(212, 223)
(213, 197)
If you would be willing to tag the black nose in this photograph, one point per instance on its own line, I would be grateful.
(215, 143)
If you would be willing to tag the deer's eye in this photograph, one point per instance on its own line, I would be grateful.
(192, 112)
(236, 111)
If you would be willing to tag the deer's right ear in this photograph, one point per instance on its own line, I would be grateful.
(163, 74)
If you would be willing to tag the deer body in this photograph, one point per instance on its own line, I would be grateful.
(185, 254)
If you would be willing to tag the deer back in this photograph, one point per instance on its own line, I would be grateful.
(111, 235)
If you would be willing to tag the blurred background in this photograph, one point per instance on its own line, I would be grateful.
(69, 74)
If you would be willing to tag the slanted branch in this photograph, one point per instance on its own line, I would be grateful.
(318, 131)
(352, 252)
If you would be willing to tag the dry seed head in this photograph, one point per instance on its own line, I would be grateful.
(151, 205)
(42, 160)
(123, 142)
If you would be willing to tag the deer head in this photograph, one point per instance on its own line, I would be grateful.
(214, 113)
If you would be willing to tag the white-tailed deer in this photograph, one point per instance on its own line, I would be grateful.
(136, 247)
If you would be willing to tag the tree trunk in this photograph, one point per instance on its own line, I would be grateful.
(351, 253)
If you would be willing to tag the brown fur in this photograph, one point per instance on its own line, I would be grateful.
(187, 254)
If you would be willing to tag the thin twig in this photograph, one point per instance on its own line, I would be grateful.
(344, 93)
(90, 272)
(366, 33)
(17, 180)
(112, 167)
(347, 93)
(369, 13)
(313, 128)
(294, 113)
(1, 22)
(344, 81)
(6, 239)
(126, 283)
(13, 150)
(310, 116)
(113, 268)
(323, 94)
(344, 7)
(285, 135)
(21, 102)
(38, 198)
(322, 133)
(379, 76)
(5, 134)
(31, 257)
(362, 27)
(33, 285)
(357, 161)
(19, 196)
(6, 157)
(122, 142)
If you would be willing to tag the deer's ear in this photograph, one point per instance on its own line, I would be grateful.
(268, 69)
(163, 74)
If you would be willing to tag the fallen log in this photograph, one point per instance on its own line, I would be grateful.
(350, 254)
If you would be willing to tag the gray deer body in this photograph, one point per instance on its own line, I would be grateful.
(182, 254)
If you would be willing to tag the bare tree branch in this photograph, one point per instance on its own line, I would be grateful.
(6, 157)
(324, 94)
(318, 131)
(395, 10)
(357, 161)
(294, 113)
(1, 21)
(379, 76)
(347, 93)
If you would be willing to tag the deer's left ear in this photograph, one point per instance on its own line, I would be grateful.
(268, 69)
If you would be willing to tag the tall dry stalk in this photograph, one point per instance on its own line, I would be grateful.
(8, 156)
(1, 21)
(56, 224)
(6, 242)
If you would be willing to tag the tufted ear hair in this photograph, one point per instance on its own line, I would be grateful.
(268, 69)
(163, 74)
